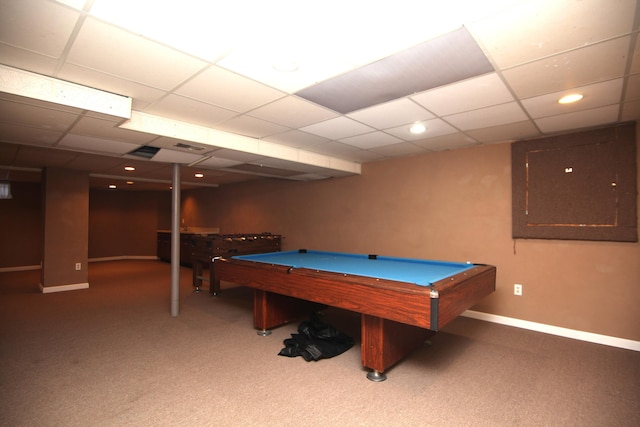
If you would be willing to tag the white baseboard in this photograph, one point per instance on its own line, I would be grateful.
(114, 258)
(63, 288)
(556, 330)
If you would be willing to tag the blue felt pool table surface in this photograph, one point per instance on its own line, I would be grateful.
(416, 271)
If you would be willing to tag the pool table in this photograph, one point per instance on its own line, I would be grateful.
(402, 301)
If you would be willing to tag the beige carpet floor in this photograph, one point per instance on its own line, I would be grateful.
(112, 355)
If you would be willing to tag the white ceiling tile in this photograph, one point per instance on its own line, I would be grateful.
(399, 150)
(467, 95)
(141, 95)
(76, 4)
(32, 155)
(338, 128)
(228, 90)
(434, 127)
(217, 162)
(250, 126)
(446, 142)
(171, 156)
(28, 135)
(46, 32)
(306, 113)
(189, 110)
(106, 129)
(536, 29)
(371, 140)
(287, 165)
(27, 60)
(344, 151)
(257, 62)
(505, 133)
(392, 114)
(98, 163)
(596, 95)
(99, 145)
(633, 88)
(490, 116)
(296, 139)
(206, 30)
(119, 53)
(45, 105)
(362, 156)
(635, 64)
(564, 71)
(31, 115)
(580, 119)
(631, 111)
(239, 156)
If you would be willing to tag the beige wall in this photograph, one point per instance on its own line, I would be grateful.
(124, 223)
(66, 227)
(121, 223)
(21, 226)
(451, 205)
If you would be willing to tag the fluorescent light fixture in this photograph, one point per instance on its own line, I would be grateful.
(571, 98)
(199, 175)
(129, 168)
(43, 88)
(112, 186)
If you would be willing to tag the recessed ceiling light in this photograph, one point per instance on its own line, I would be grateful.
(199, 175)
(417, 128)
(571, 98)
(129, 168)
(112, 186)
(129, 182)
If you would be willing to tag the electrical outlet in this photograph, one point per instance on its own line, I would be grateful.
(517, 289)
(78, 266)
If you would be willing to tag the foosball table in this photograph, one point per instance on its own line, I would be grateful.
(205, 250)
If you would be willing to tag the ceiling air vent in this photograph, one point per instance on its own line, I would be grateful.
(188, 147)
(146, 151)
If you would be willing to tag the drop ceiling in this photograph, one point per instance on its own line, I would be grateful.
(247, 89)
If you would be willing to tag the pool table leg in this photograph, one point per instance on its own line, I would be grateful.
(385, 342)
(271, 310)
(196, 266)
(376, 376)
